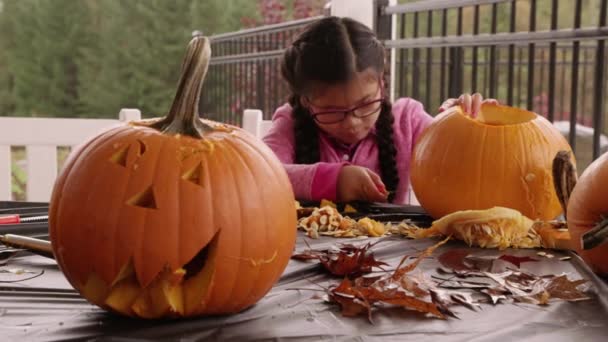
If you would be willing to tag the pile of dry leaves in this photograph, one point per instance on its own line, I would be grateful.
(462, 279)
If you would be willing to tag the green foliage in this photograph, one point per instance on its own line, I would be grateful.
(18, 180)
(90, 58)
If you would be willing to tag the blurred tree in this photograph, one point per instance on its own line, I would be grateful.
(93, 57)
(41, 58)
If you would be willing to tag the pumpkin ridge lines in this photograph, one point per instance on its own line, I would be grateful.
(178, 224)
(202, 166)
(503, 162)
(280, 175)
(86, 253)
(56, 208)
(256, 263)
(111, 230)
(122, 258)
(480, 170)
(228, 159)
(522, 171)
(69, 166)
(209, 242)
(446, 154)
(143, 275)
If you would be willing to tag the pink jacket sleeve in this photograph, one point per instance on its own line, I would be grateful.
(309, 181)
(419, 119)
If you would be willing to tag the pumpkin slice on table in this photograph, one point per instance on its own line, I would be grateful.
(502, 158)
(173, 217)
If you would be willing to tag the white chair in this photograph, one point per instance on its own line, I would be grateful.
(41, 137)
(254, 123)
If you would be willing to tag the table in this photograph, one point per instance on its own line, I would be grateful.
(46, 308)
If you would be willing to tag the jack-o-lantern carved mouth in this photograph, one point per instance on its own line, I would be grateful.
(182, 292)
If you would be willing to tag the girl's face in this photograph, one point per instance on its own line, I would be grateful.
(347, 111)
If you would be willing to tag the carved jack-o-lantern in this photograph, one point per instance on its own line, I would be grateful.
(173, 217)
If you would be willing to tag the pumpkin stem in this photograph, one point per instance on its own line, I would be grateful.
(564, 178)
(183, 115)
(596, 236)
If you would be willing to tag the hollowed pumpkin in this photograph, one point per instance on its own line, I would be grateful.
(175, 216)
(502, 158)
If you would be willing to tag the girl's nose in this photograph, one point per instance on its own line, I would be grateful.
(351, 120)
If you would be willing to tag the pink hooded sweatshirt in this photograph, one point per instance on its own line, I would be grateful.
(318, 181)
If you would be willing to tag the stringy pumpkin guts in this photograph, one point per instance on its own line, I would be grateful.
(497, 227)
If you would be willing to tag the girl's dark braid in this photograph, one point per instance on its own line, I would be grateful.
(306, 134)
(387, 152)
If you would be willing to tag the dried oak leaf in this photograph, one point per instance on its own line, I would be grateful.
(495, 294)
(308, 255)
(516, 260)
(454, 259)
(355, 300)
(402, 270)
(348, 260)
(442, 301)
(395, 297)
(562, 288)
(364, 293)
(350, 303)
(351, 263)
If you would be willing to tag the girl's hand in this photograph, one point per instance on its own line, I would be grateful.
(470, 104)
(360, 183)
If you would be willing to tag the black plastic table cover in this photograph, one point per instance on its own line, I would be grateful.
(46, 308)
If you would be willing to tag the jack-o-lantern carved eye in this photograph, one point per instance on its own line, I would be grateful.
(120, 157)
(144, 199)
(194, 174)
(141, 148)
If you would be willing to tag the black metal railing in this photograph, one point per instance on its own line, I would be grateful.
(544, 55)
(245, 71)
(505, 49)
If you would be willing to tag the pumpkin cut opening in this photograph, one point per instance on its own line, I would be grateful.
(172, 293)
(495, 115)
(198, 262)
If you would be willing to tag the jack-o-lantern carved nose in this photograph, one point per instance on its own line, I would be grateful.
(144, 199)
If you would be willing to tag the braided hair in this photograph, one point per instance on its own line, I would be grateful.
(330, 51)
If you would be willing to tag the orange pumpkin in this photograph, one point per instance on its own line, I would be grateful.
(174, 217)
(501, 158)
(588, 209)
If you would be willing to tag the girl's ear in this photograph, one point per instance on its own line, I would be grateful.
(303, 101)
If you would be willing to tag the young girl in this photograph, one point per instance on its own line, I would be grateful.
(339, 137)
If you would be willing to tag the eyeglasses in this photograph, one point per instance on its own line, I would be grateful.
(360, 111)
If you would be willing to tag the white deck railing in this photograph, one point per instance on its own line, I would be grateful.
(41, 137)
